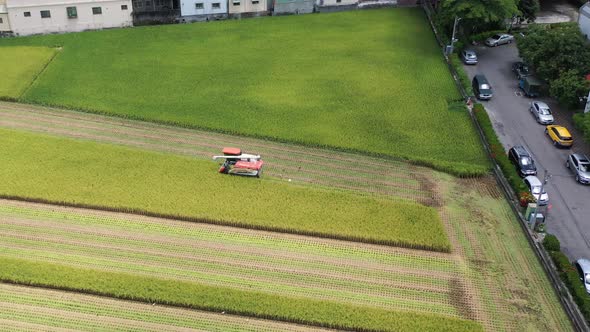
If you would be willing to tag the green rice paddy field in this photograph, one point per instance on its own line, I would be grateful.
(371, 81)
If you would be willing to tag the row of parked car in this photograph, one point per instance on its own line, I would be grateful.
(578, 164)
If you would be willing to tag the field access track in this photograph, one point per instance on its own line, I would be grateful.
(25, 308)
(283, 161)
(345, 272)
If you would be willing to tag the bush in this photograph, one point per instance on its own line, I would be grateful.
(582, 123)
(570, 277)
(551, 243)
(497, 151)
(463, 78)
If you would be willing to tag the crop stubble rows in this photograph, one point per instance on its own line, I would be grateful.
(300, 164)
(25, 308)
(299, 266)
(489, 288)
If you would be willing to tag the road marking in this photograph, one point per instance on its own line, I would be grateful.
(518, 93)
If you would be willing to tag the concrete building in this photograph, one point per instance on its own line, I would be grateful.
(281, 7)
(584, 20)
(238, 8)
(4, 23)
(28, 17)
(202, 10)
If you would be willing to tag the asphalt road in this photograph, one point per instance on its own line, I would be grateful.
(568, 215)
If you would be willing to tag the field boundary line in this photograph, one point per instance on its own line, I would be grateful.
(570, 307)
(25, 90)
(236, 224)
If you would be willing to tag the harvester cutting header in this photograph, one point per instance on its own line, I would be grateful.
(238, 163)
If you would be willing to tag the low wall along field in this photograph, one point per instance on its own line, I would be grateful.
(370, 81)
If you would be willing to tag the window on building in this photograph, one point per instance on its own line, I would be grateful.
(1, 21)
(255, 2)
(72, 12)
(338, 1)
(27, 14)
(148, 3)
(199, 5)
(97, 10)
(236, 3)
(123, 7)
(45, 14)
(216, 5)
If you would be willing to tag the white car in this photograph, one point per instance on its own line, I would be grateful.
(541, 112)
(500, 39)
(534, 185)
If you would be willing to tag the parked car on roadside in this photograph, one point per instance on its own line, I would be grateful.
(481, 87)
(522, 160)
(542, 112)
(583, 268)
(469, 57)
(530, 86)
(534, 185)
(499, 39)
(579, 164)
(520, 69)
(560, 136)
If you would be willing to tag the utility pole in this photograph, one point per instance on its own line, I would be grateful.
(453, 39)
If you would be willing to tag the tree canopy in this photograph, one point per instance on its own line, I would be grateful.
(478, 13)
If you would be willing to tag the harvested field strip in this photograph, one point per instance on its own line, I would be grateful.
(513, 290)
(233, 301)
(297, 266)
(284, 161)
(36, 309)
(66, 171)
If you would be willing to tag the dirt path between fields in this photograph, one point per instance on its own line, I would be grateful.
(283, 161)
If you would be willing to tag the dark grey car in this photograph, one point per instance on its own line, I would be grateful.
(579, 164)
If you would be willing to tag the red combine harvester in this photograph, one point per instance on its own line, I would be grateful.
(238, 163)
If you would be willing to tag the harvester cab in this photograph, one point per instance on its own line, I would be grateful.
(238, 163)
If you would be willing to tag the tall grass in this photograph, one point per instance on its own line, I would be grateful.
(371, 81)
(19, 66)
(219, 299)
(44, 168)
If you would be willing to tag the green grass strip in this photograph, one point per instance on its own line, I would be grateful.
(191, 295)
(65, 171)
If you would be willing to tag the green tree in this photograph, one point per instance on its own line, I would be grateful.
(478, 15)
(569, 88)
(555, 49)
(529, 9)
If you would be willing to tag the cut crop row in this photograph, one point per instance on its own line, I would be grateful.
(269, 263)
(233, 301)
(44, 309)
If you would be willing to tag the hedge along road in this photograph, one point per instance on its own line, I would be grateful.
(569, 211)
(284, 162)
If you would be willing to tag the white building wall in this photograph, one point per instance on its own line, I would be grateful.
(189, 7)
(4, 23)
(25, 15)
(246, 6)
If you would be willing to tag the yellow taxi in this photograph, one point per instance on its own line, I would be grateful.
(560, 136)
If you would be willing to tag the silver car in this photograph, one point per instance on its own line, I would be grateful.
(499, 39)
(469, 57)
(579, 164)
(542, 112)
(534, 185)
